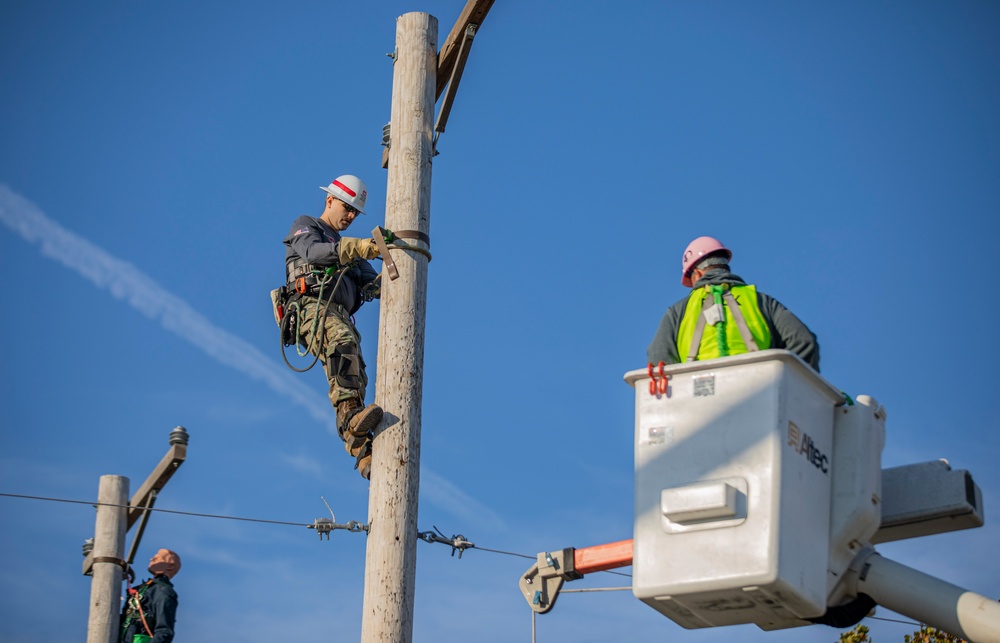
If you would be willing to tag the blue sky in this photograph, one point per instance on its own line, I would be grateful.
(153, 155)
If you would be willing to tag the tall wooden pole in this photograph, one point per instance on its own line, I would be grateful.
(390, 569)
(109, 548)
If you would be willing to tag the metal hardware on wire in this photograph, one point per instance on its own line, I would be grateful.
(456, 542)
(326, 525)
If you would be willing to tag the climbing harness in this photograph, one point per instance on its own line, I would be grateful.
(133, 607)
(306, 279)
(717, 300)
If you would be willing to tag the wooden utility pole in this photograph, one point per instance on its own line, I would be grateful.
(109, 549)
(391, 561)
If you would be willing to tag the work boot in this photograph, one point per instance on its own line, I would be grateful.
(362, 455)
(354, 421)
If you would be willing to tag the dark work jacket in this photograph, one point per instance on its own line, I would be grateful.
(787, 330)
(312, 240)
(159, 605)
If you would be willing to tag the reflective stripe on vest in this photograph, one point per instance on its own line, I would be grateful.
(693, 343)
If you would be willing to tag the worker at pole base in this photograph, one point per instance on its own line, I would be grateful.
(151, 607)
(724, 315)
(329, 277)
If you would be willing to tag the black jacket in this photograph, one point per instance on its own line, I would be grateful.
(159, 606)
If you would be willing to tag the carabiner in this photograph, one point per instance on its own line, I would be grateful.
(657, 386)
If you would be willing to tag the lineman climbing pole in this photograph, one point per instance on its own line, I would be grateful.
(418, 69)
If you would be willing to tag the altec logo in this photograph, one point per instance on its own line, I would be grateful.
(803, 445)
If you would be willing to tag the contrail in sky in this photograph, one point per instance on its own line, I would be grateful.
(127, 282)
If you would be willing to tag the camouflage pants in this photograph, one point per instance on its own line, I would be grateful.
(340, 350)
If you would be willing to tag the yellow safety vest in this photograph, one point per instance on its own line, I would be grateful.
(739, 315)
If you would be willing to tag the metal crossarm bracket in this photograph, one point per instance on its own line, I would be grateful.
(454, 80)
(141, 528)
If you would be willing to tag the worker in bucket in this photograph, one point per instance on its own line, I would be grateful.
(724, 315)
(151, 607)
(328, 278)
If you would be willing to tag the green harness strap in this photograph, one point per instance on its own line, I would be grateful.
(720, 326)
(133, 605)
(716, 301)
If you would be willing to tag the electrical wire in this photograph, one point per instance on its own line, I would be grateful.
(893, 620)
(166, 511)
(506, 553)
(221, 517)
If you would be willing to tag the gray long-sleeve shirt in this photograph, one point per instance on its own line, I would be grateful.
(787, 330)
(312, 240)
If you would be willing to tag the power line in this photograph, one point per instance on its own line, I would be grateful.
(302, 524)
(352, 526)
(167, 511)
(893, 620)
(506, 553)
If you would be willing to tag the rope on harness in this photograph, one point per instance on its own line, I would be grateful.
(322, 309)
(135, 600)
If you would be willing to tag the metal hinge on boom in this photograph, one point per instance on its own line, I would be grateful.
(543, 580)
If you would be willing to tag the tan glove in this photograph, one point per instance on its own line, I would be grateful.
(352, 248)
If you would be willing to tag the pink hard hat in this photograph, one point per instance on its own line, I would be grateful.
(698, 250)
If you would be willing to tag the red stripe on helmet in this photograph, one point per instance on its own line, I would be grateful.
(343, 187)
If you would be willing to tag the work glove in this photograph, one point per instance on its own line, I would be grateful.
(352, 248)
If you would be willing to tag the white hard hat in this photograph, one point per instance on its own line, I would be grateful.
(349, 189)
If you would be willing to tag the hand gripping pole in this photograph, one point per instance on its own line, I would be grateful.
(390, 266)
